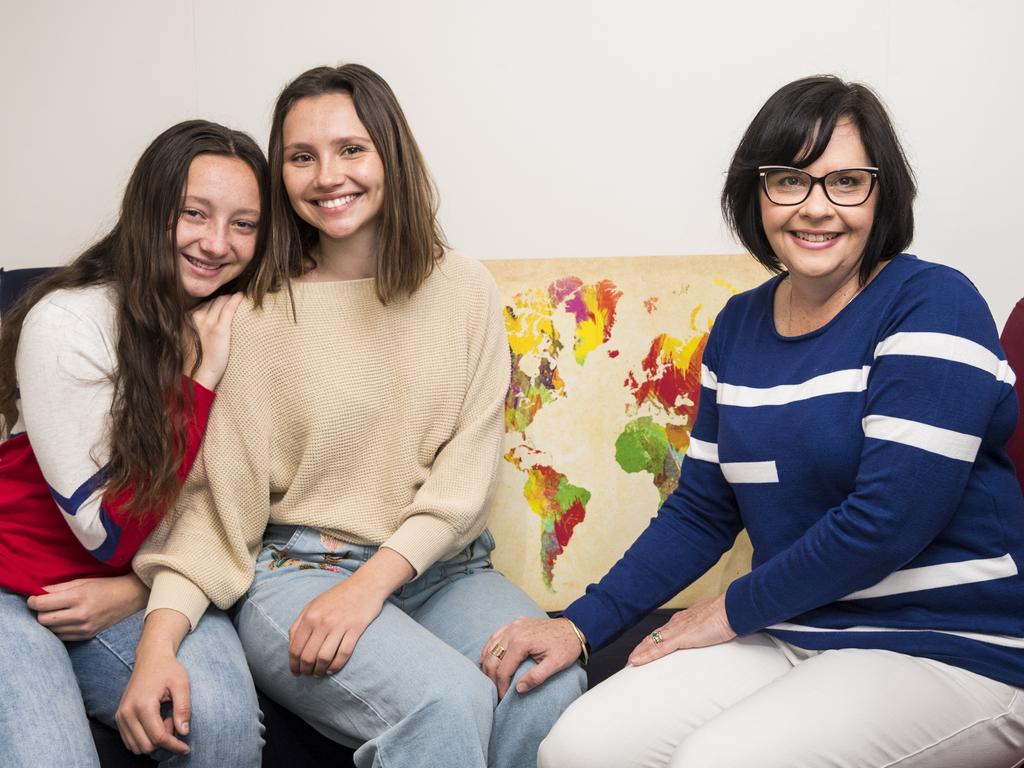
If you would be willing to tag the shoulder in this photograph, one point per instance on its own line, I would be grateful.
(932, 298)
(72, 317)
(93, 305)
(457, 270)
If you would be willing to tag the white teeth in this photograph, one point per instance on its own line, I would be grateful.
(201, 264)
(336, 202)
(811, 238)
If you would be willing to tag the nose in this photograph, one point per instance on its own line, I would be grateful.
(216, 241)
(329, 174)
(817, 204)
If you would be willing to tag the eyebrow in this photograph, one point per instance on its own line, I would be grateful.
(342, 140)
(208, 204)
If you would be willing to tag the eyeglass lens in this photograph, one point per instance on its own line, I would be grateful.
(787, 186)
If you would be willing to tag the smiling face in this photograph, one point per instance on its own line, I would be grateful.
(218, 225)
(332, 171)
(818, 240)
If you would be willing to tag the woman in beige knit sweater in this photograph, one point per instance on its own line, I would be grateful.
(349, 459)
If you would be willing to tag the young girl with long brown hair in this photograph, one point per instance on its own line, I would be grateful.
(107, 372)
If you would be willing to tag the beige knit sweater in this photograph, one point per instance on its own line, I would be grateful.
(375, 424)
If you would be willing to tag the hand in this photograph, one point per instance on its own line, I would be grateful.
(551, 643)
(705, 623)
(326, 632)
(80, 609)
(213, 323)
(158, 677)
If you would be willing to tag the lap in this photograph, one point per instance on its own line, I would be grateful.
(42, 719)
(754, 701)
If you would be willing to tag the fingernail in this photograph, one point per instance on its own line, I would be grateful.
(183, 728)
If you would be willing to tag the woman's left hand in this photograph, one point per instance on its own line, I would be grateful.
(80, 609)
(705, 623)
(326, 632)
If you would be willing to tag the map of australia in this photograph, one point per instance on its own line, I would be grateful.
(605, 387)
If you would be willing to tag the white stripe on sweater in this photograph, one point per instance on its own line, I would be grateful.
(945, 346)
(836, 382)
(944, 442)
(1004, 640)
(734, 471)
(941, 575)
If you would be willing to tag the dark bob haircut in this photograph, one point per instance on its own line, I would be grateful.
(794, 128)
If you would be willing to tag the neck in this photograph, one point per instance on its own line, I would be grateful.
(350, 258)
(807, 304)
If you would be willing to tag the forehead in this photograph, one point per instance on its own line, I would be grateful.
(225, 179)
(325, 116)
(845, 149)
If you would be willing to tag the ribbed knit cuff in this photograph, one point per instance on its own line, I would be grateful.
(423, 540)
(172, 590)
(744, 618)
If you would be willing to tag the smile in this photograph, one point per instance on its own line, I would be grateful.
(203, 264)
(816, 238)
(337, 202)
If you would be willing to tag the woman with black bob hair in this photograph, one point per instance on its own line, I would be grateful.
(108, 369)
(853, 413)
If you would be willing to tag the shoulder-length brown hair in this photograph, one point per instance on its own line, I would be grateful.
(409, 239)
(137, 258)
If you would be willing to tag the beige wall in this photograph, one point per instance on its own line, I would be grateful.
(557, 128)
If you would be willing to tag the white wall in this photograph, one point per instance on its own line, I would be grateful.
(558, 128)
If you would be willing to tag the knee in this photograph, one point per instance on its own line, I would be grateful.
(543, 705)
(225, 722)
(580, 740)
(708, 747)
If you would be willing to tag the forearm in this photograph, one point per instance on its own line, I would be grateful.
(385, 572)
(163, 632)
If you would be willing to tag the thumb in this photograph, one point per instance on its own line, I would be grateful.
(544, 669)
(181, 702)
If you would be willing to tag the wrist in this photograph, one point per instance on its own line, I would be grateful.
(584, 656)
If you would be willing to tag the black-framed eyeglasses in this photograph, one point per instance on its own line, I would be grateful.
(791, 186)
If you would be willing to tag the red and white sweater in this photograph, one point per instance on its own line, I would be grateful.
(56, 524)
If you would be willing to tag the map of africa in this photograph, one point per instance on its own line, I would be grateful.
(605, 387)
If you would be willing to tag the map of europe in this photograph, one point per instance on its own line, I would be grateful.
(605, 388)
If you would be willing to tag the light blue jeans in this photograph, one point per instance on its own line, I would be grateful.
(49, 686)
(412, 693)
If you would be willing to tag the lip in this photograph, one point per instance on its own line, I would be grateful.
(315, 202)
(203, 271)
(812, 246)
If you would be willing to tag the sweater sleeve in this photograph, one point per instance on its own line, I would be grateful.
(936, 381)
(205, 549)
(64, 367)
(694, 526)
(450, 507)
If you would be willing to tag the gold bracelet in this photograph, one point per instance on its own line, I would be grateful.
(583, 643)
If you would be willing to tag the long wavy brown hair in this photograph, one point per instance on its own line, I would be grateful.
(137, 258)
(409, 238)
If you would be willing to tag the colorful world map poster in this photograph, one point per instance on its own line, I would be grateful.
(605, 386)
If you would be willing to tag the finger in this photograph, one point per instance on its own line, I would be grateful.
(299, 634)
(158, 734)
(308, 655)
(136, 733)
(648, 650)
(345, 650)
(327, 654)
(507, 667)
(64, 585)
(491, 642)
(62, 619)
(227, 312)
(545, 668)
(51, 602)
(181, 705)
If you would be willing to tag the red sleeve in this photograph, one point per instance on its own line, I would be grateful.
(134, 529)
(1013, 343)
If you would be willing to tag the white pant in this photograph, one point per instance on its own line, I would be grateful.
(759, 702)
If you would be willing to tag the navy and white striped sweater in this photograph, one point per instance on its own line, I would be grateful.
(866, 461)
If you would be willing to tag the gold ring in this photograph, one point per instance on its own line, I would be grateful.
(498, 651)
(656, 637)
